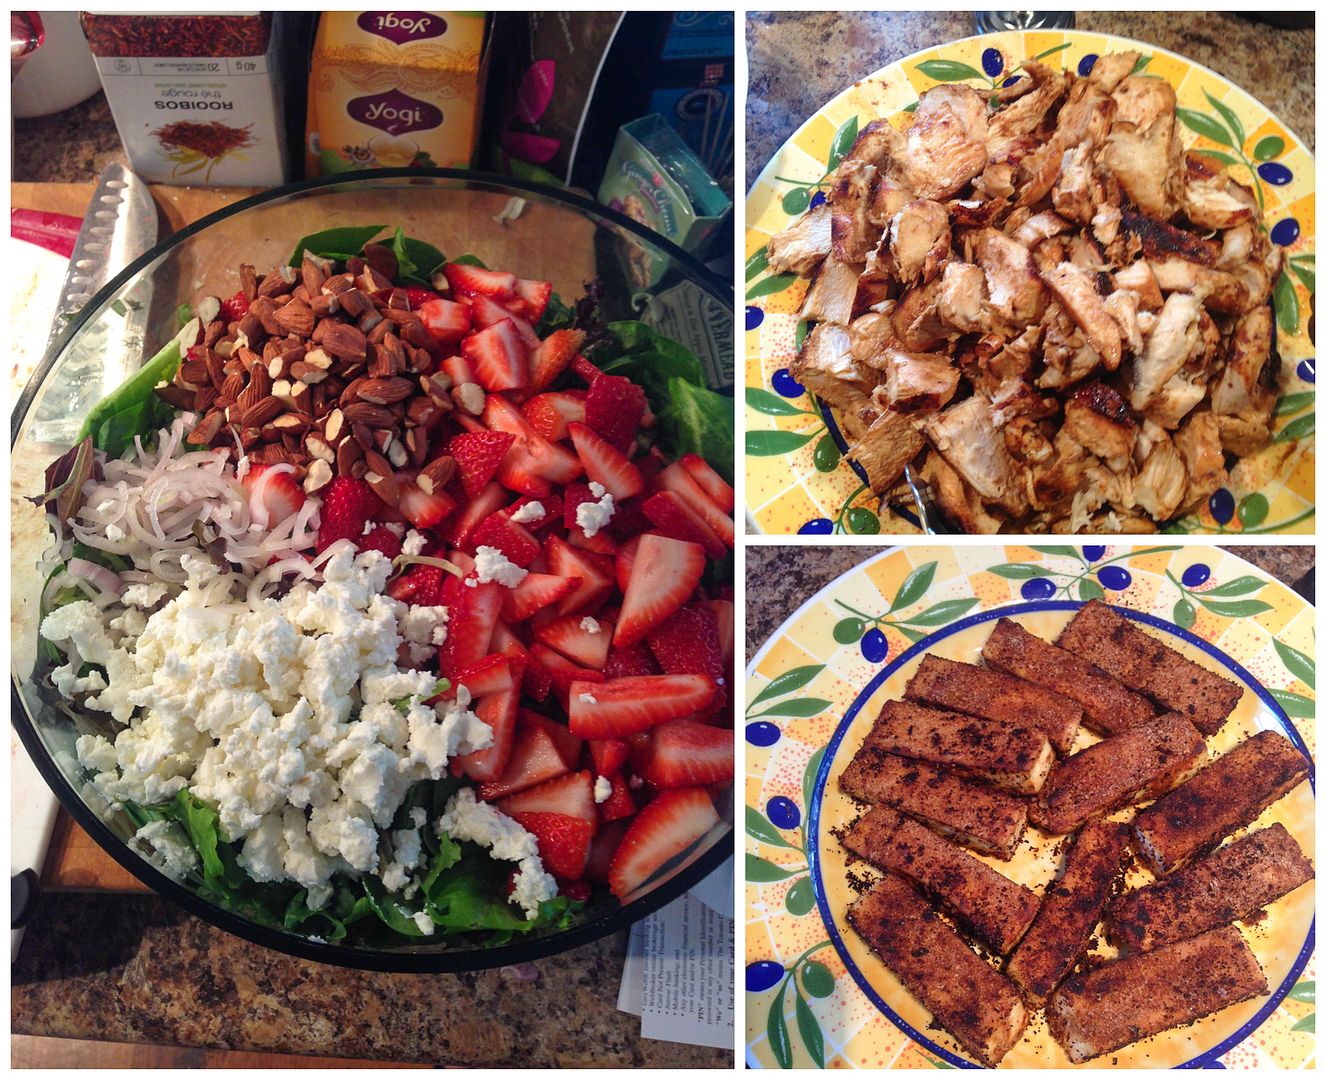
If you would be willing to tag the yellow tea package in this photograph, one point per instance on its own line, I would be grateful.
(394, 89)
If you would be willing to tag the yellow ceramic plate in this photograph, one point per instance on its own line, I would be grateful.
(795, 479)
(815, 994)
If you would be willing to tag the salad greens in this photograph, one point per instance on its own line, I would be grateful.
(132, 408)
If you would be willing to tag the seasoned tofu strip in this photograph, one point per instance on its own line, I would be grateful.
(1134, 765)
(1102, 636)
(992, 695)
(996, 909)
(1147, 993)
(1070, 911)
(1015, 757)
(1107, 705)
(966, 996)
(969, 813)
(1228, 884)
(1224, 796)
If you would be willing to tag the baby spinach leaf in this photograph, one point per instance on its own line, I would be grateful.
(143, 410)
(342, 243)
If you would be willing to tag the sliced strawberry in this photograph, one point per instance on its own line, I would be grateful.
(498, 711)
(663, 575)
(567, 744)
(600, 543)
(567, 635)
(447, 321)
(553, 356)
(602, 850)
(347, 507)
(622, 706)
(580, 891)
(631, 660)
(534, 463)
(460, 530)
(477, 457)
(534, 592)
(536, 295)
(629, 519)
(421, 585)
(585, 369)
(424, 509)
(595, 584)
(417, 296)
(608, 755)
(381, 539)
(509, 537)
(687, 644)
(687, 753)
(499, 356)
(234, 308)
(660, 832)
(477, 281)
(550, 413)
(488, 313)
(274, 495)
(537, 682)
(719, 490)
(562, 672)
(563, 841)
(725, 618)
(619, 804)
(470, 626)
(552, 511)
(496, 673)
(673, 516)
(534, 759)
(614, 408)
(572, 794)
(459, 370)
(677, 479)
(605, 464)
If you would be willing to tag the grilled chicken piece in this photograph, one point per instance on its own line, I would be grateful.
(1168, 348)
(1077, 292)
(1213, 200)
(1138, 279)
(1017, 297)
(1014, 123)
(1039, 227)
(1161, 240)
(832, 293)
(1198, 440)
(1162, 478)
(1076, 192)
(995, 183)
(1220, 291)
(854, 236)
(961, 299)
(1069, 357)
(918, 239)
(868, 337)
(802, 246)
(917, 321)
(1097, 417)
(966, 436)
(1123, 307)
(1245, 395)
(959, 503)
(1176, 399)
(1141, 101)
(916, 382)
(826, 368)
(1145, 163)
(885, 448)
(1236, 247)
(946, 143)
(1111, 69)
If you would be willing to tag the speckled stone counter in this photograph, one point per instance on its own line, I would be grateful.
(800, 60)
(781, 579)
(138, 969)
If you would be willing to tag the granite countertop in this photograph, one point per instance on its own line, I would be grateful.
(800, 60)
(769, 568)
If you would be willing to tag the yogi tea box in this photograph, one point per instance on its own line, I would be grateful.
(196, 98)
(394, 89)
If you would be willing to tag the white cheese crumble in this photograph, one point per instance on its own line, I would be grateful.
(505, 838)
(413, 543)
(531, 511)
(590, 625)
(592, 516)
(168, 841)
(369, 526)
(589, 699)
(424, 625)
(602, 789)
(491, 565)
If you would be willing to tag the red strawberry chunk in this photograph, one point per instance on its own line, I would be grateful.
(572, 794)
(619, 804)
(570, 637)
(509, 537)
(459, 370)
(630, 660)
(498, 711)
(677, 479)
(628, 520)
(605, 464)
(274, 495)
(614, 408)
(663, 576)
(567, 744)
(536, 295)
(725, 619)
(604, 847)
(534, 759)
(552, 357)
(576, 890)
(534, 592)
(470, 626)
(381, 539)
(687, 753)
(719, 490)
(347, 507)
(477, 281)
(499, 356)
(687, 644)
(672, 516)
(608, 755)
(596, 582)
(552, 511)
(424, 509)
(234, 308)
(537, 682)
(422, 585)
(584, 368)
(496, 673)
(661, 831)
(550, 413)
(418, 296)
(461, 529)
(447, 321)
(488, 313)
(623, 706)
(563, 842)
(562, 672)
(625, 562)
(477, 457)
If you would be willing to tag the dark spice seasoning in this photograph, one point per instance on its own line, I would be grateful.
(177, 35)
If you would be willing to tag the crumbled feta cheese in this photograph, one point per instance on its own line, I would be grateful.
(635, 782)
(145, 595)
(413, 543)
(592, 516)
(602, 789)
(531, 511)
(590, 625)
(424, 625)
(482, 823)
(369, 526)
(424, 923)
(589, 699)
(114, 532)
(396, 528)
(167, 840)
(491, 565)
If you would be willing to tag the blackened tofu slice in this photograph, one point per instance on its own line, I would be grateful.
(1224, 796)
(967, 812)
(1102, 636)
(1228, 884)
(1137, 764)
(1016, 757)
(1147, 993)
(1070, 911)
(1107, 705)
(967, 997)
(992, 695)
(994, 907)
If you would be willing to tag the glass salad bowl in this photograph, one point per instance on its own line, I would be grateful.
(538, 232)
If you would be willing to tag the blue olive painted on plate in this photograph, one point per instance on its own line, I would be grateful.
(1221, 505)
(816, 527)
(1285, 232)
(1011, 80)
(1115, 577)
(1092, 552)
(818, 199)
(1307, 370)
(754, 316)
(1087, 62)
(763, 975)
(762, 733)
(1037, 589)
(783, 812)
(786, 385)
(1196, 574)
(875, 646)
(1274, 173)
(992, 62)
